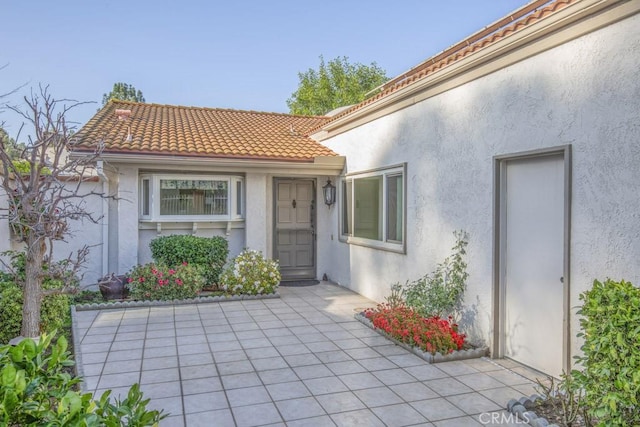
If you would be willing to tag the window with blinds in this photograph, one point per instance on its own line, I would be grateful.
(203, 198)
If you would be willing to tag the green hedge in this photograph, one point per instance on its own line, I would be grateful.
(55, 312)
(208, 252)
(611, 353)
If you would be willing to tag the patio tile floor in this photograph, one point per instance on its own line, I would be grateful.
(300, 360)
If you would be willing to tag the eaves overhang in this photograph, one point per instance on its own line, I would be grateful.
(320, 165)
(562, 26)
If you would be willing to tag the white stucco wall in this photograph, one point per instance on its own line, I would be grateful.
(127, 219)
(585, 93)
(129, 238)
(81, 233)
(258, 210)
(86, 232)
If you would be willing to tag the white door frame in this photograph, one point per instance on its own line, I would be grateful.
(499, 180)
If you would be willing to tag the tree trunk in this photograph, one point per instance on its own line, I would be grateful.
(32, 293)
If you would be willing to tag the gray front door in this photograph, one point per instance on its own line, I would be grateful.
(294, 228)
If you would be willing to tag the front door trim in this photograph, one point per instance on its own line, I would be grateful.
(499, 164)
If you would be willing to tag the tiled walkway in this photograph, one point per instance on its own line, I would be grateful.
(300, 360)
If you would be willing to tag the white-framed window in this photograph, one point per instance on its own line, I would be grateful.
(173, 197)
(373, 208)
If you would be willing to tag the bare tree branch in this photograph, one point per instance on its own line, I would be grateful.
(47, 191)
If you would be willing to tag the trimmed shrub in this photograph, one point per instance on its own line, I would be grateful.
(250, 273)
(209, 252)
(36, 389)
(10, 311)
(159, 282)
(54, 314)
(610, 377)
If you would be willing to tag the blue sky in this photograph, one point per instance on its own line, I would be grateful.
(242, 54)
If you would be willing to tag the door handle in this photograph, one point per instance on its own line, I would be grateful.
(293, 203)
(562, 279)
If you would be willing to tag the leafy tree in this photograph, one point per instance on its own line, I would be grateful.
(335, 84)
(13, 149)
(123, 92)
(44, 196)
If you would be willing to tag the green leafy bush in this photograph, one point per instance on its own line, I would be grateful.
(159, 282)
(441, 292)
(209, 252)
(23, 166)
(55, 312)
(36, 389)
(10, 311)
(250, 273)
(610, 377)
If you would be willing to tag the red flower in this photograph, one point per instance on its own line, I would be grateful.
(404, 324)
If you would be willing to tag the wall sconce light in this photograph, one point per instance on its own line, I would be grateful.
(329, 191)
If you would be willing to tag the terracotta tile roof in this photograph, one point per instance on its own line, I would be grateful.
(501, 29)
(203, 132)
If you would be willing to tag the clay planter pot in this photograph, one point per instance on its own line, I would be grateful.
(112, 287)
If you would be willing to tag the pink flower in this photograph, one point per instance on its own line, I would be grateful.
(185, 263)
(141, 279)
(129, 280)
(172, 272)
(179, 282)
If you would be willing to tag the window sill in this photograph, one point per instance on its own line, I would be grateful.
(192, 226)
(188, 220)
(398, 248)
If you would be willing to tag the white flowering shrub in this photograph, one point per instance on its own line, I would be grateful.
(250, 273)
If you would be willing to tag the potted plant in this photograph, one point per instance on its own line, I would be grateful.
(112, 287)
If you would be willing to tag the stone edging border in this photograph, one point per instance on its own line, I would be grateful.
(156, 303)
(428, 357)
(521, 408)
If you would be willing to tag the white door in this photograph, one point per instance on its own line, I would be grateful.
(294, 233)
(532, 223)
